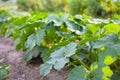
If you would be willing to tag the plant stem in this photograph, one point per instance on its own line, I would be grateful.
(73, 64)
(116, 66)
(82, 63)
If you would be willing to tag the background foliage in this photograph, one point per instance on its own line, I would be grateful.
(96, 8)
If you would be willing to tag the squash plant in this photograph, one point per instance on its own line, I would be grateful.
(90, 46)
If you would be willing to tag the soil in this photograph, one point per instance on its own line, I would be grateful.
(19, 70)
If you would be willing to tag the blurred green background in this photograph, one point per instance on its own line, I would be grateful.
(95, 8)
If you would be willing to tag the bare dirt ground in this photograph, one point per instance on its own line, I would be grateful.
(18, 69)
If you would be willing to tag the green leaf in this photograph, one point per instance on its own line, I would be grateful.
(3, 74)
(60, 57)
(45, 69)
(113, 51)
(107, 72)
(60, 63)
(55, 19)
(39, 36)
(75, 27)
(72, 26)
(66, 51)
(112, 28)
(58, 53)
(30, 43)
(35, 39)
(109, 60)
(65, 17)
(93, 29)
(79, 17)
(116, 21)
(70, 49)
(106, 40)
(33, 53)
(77, 73)
(106, 57)
(110, 51)
(98, 21)
(31, 24)
(95, 74)
(58, 45)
